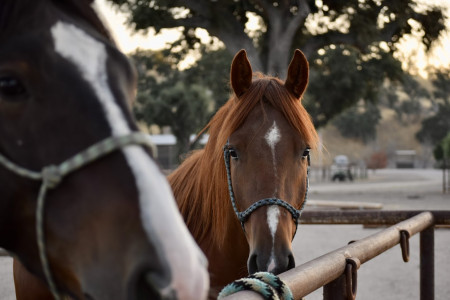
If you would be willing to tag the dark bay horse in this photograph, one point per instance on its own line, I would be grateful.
(83, 207)
(257, 155)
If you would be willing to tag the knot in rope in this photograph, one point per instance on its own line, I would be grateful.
(51, 176)
(268, 285)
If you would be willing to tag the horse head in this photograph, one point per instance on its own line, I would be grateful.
(83, 206)
(267, 158)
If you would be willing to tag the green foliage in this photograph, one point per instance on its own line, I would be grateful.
(442, 151)
(167, 97)
(438, 152)
(353, 22)
(436, 127)
(350, 44)
(212, 71)
(445, 144)
(408, 107)
(359, 122)
(339, 79)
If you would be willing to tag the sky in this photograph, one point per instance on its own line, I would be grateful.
(128, 41)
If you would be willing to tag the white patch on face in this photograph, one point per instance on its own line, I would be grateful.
(273, 136)
(273, 214)
(155, 196)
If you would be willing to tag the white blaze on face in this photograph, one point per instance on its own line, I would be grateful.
(273, 214)
(160, 217)
(272, 137)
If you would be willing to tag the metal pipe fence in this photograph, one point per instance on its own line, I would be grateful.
(337, 271)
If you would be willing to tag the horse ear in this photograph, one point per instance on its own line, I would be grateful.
(241, 73)
(298, 72)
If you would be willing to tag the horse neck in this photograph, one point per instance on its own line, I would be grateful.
(201, 192)
(205, 205)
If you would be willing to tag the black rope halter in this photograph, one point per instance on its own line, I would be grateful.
(243, 216)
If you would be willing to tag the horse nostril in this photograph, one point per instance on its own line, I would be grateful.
(151, 285)
(291, 262)
(252, 264)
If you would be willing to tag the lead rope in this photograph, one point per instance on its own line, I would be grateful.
(52, 175)
(268, 285)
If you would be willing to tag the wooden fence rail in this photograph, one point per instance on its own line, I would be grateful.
(329, 269)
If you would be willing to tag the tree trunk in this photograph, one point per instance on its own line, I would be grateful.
(281, 32)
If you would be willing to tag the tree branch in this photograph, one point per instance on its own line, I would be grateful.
(319, 41)
(202, 7)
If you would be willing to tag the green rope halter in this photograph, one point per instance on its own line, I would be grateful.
(52, 175)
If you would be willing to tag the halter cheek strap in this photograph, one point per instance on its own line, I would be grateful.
(52, 175)
(243, 216)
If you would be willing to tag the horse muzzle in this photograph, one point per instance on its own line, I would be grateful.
(160, 283)
(149, 284)
(275, 262)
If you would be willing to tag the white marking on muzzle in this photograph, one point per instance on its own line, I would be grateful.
(273, 136)
(160, 216)
(273, 214)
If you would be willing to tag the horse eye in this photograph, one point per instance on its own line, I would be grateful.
(233, 153)
(11, 87)
(306, 152)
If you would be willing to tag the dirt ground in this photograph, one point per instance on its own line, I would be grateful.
(385, 277)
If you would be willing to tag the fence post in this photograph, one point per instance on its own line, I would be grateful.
(427, 264)
(335, 290)
(345, 286)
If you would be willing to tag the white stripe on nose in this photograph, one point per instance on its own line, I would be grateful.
(273, 136)
(160, 217)
(273, 214)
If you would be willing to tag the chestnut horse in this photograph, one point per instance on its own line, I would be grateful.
(264, 135)
(83, 207)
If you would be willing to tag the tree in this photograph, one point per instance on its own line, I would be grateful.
(285, 25)
(339, 79)
(437, 126)
(410, 108)
(212, 71)
(359, 122)
(369, 30)
(164, 98)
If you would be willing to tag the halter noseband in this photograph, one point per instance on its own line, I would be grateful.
(52, 175)
(243, 216)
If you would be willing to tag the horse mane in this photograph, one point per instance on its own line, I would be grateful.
(200, 183)
(12, 12)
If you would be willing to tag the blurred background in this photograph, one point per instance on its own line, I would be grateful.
(379, 91)
(379, 96)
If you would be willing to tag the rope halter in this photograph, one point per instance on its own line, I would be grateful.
(52, 175)
(243, 216)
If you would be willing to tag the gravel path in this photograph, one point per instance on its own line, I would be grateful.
(385, 277)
